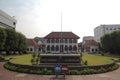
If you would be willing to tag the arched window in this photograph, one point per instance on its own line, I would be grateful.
(48, 48)
(61, 48)
(96, 50)
(57, 48)
(74, 48)
(92, 50)
(66, 48)
(70, 48)
(52, 48)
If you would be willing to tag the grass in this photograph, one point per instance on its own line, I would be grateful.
(91, 58)
(21, 59)
(97, 59)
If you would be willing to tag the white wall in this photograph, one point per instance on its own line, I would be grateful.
(94, 47)
(29, 49)
(6, 19)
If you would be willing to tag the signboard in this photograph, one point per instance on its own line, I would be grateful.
(57, 68)
(64, 68)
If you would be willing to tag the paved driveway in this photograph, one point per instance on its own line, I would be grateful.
(9, 75)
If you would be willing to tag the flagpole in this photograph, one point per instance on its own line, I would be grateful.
(61, 34)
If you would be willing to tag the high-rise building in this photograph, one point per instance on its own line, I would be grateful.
(104, 29)
(7, 21)
(86, 38)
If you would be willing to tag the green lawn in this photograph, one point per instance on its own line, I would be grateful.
(96, 59)
(91, 58)
(21, 59)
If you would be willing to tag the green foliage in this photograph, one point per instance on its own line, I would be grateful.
(37, 61)
(88, 71)
(33, 61)
(85, 62)
(46, 71)
(2, 58)
(102, 54)
(10, 43)
(33, 55)
(74, 72)
(111, 42)
(10, 40)
(21, 40)
(2, 38)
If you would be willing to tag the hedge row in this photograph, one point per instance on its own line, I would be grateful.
(49, 69)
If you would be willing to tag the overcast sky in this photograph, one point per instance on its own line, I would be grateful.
(40, 17)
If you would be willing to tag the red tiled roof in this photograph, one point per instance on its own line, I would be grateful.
(32, 42)
(64, 35)
(91, 43)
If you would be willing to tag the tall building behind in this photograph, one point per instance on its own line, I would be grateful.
(86, 38)
(104, 29)
(7, 21)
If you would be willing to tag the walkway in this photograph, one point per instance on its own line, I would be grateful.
(9, 75)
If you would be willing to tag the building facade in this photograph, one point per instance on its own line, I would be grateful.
(32, 46)
(85, 39)
(91, 46)
(65, 42)
(104, 29)
(7, 21)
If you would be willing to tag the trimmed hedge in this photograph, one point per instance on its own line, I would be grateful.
(49, 69)
(2, 58)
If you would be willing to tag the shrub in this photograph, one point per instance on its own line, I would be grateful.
(102, 54)
(101, 70)
(48, 72)
(37, 61)
(86, 62)
(45, 71)
(88, 71)
(74, 72)
(33, 55)
(2, 58)
(33, 61)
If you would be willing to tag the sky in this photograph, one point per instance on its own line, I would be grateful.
(40, 17)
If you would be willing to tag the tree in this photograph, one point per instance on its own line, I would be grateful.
(10, 42)
(2, 38)
(21, 41)
(15, 41)
(111, 42)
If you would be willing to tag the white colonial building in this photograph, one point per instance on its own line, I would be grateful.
(65, 42)
(104, 29)
(7, 21)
